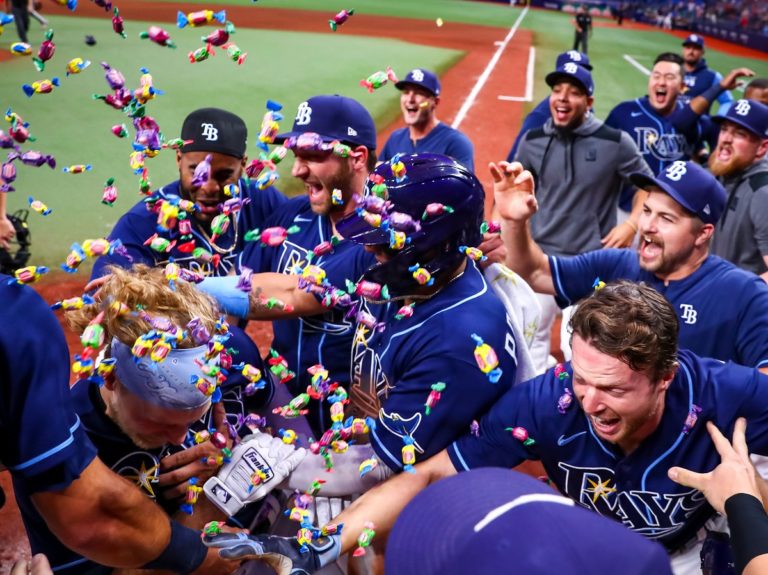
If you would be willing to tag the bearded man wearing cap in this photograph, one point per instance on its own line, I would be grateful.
(580, 166)
(424, 132)
(698, 76)
(222, 135)
(142, 417)
(739, 160)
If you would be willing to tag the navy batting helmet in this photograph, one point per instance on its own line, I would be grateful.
(422, 207)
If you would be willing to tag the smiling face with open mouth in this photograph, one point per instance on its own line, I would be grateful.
(208, 197)
(417, 105)
(665, 84)
(623, 406)
(321, 172)
(737, 149)
(569, 104)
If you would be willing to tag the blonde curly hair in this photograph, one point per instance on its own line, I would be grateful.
(145, 289)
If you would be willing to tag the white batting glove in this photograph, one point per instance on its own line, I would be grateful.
(259, 458)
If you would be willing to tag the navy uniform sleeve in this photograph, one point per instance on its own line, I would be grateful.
(630, 160)
(752, 337)
(535, 119)
(467, 396)
(462, 150)
(387, 150)
(43, 440)
(133, 230)
(614, 118)
(574, 277)
(494, 445)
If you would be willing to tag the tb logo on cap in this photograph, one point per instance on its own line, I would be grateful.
(570, 68)
(742, 107)
(676, 171)
(210, 133)
(574, 55)
(417, 75)
(303, 114)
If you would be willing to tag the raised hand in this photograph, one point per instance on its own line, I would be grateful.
(513, 191)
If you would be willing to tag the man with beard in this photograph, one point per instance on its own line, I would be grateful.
(191, 242)
(663, 127)
(143, 415)
(580, 166)
(423, 132)
(333, 141)
(698, 76)
(723, 310)
(741, 235)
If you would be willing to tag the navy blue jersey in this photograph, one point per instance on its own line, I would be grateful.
(660, 139)
(442, 139)
(326, 338)
(394, 369)
(536, 118)
(633, 489)
(723, 310)
(701, 79)
(43, 443)
(140, 466)
(138, 224)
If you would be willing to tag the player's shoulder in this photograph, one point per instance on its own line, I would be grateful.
(724, 275)
(294, 210)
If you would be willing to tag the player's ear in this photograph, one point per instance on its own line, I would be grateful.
(437, 100)
(762, 149)
(704, 234)
(178, 158)
(667, 378)
(590, 101)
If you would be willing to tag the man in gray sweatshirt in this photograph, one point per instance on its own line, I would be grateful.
(580, 166)
(739, 161)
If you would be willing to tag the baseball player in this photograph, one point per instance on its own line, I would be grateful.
(723, 310)
(607, 428)
(698, 76)
(50, 458)
(400, 351)
(741, 235)
(319, 335)
(222, 135)
(757, 90)
(537, 117)
(424, 132)
(143, 419)
(661, 125)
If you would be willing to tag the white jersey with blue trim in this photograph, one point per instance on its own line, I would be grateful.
(633, 489)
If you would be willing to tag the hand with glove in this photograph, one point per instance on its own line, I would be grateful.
(283, 554)
(258, 465)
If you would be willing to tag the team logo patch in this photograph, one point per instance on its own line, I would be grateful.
(303, 114)
(417, 75)
(689, 314)
(210, 132)
(570, 68)
(676, 171)
(742, 107)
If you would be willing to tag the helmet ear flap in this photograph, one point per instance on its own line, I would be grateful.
(18, 254)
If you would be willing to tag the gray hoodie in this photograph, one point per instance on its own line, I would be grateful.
(579, 174)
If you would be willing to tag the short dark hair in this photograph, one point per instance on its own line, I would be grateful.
(633, 323)
(757, 84)
(670, 57)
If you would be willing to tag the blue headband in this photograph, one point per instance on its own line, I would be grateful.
(167, 383)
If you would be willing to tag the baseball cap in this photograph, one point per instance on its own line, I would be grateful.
(749, 114)
(572, 72)
(421, 77)
(215, 130)
(490, 520)
(695, 40)
(574, 56)
(691, 186)
(334, 118)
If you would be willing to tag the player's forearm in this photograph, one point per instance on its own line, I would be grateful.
(383, 504)
(268, 287)
(132, 531)
(525, 257)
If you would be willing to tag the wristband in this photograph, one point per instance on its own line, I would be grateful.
(749, 528)
(185, 551)
(230, 298)
(711, 93)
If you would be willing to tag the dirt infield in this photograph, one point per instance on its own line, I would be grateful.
(490, 124)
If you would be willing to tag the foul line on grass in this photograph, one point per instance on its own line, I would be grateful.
(528, 81)
(487, 72)
(637, 64)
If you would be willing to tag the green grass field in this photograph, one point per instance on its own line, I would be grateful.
(76, 129)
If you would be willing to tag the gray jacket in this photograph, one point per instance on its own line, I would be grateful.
(741, 235)
(579, 175)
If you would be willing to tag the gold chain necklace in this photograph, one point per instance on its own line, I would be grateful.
(213, 245)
